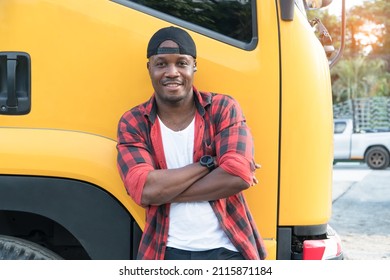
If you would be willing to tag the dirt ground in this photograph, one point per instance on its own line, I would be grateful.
(366, 247)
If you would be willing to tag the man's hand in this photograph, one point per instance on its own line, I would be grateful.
(255, 181)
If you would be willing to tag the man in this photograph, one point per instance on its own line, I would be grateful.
(186, 156)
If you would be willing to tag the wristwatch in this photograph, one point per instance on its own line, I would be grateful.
(207, 161)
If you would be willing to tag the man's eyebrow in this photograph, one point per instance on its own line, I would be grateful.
(180, 57)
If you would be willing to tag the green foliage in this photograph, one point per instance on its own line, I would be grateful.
(364, 68)
(360, 77)
(376, 13)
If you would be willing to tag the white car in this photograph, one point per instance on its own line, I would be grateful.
(372, 147)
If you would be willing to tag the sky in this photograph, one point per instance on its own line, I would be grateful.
(335, 6)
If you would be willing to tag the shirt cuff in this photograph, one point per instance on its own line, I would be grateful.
(237, 165)
(135, 181)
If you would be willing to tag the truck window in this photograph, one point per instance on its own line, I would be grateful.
(339, 127)
(230, 18)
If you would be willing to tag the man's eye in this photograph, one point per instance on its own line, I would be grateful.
(183, 63)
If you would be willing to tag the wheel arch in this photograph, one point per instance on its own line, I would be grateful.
(375, 146)
(102, 225)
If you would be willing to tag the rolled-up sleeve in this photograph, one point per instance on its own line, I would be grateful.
(135, 181)
(134, 160)
(237, 165)
(233, 141)
(235, 152)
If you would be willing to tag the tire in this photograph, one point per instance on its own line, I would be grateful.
(12, 248)
(377, 158)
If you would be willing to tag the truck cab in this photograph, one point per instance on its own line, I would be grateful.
(342, 138)
(69, 69)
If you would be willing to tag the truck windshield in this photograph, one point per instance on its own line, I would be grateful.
(231, 18)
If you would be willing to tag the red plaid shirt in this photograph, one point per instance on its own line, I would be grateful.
(221, 131)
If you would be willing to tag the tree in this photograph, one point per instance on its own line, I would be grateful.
(363, 70)
(375, 14)
(367, 28)
(360, 77)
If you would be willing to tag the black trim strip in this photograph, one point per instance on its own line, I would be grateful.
(279, 246)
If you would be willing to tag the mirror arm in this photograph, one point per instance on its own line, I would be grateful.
(343, 27)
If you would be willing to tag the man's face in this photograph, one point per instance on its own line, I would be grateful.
(172, 75)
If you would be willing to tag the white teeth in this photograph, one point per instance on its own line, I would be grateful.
(172, 85)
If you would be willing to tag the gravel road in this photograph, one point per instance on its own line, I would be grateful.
(361, 211)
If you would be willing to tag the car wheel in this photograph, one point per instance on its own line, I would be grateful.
(12, 248)
(377, 158)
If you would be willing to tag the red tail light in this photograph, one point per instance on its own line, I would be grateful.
(323, 249)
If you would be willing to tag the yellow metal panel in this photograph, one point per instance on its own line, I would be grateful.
(65, 154)
(306, 144)
(89, 66)
(270, 244)
(84, 61)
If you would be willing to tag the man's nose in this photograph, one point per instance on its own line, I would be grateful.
(171, 70)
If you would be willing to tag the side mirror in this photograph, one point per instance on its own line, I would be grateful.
(317, 4)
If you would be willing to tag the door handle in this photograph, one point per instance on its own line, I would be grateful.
(15, 83)
(12, 101)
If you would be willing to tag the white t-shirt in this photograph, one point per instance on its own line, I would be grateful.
(193, 226)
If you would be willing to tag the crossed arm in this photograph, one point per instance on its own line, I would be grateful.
(190, 183)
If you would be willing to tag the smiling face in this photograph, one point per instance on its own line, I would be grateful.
(172, 75)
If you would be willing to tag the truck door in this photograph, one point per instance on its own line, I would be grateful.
(342, 140)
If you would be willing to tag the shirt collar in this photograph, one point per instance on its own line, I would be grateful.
(202, 100)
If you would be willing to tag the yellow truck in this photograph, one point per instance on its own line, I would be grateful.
(70, 68)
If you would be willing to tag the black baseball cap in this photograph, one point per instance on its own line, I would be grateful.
(179, 36)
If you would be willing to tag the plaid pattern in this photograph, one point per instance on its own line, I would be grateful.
(221, 131)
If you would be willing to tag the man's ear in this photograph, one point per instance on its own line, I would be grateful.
(148, 67)
(195, 68)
